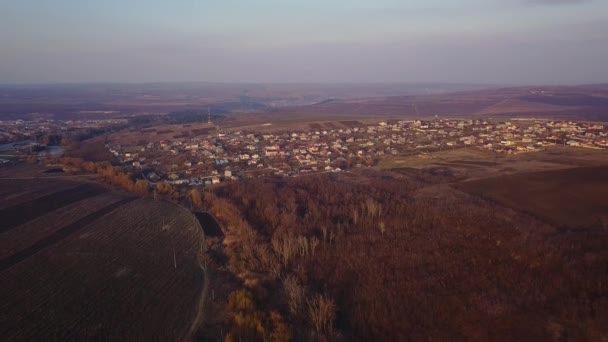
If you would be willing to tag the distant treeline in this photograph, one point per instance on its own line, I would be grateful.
(178, 117)
(194, 115)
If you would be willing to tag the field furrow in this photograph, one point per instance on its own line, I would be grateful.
(123, 277)
(16, 192)
(19, 214)
(59, 235)
(21, 237)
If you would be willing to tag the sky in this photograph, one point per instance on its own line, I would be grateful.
(318, 41)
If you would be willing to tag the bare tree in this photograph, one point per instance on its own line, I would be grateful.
(295, 294)
(322, 312)
(314, 242)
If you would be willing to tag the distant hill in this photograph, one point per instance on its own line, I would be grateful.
(588, 102)
(92, 101)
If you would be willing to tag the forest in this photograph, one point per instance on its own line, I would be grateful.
(380, 255)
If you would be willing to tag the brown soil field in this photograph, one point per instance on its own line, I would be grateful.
(96, 266)
(519, 106)
(13, 193)
(35, 229)
(18, 214)
(315, 126)
(422, 159)
(477, 163)
(574, 197)
(281, 121)
(160, 133)
(351, 123)
(564, 186)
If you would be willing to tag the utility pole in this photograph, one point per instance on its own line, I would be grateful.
(166, 228)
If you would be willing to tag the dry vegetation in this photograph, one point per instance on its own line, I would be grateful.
(476, 163)
(393, 254)
(569, 198)
(396, 254)
(386, 256)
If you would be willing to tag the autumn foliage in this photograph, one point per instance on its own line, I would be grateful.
(113, 175)
(381, 256)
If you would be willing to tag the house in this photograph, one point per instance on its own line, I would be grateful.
(271, 151)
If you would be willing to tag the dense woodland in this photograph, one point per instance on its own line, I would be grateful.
(382, 256)
(389, 256)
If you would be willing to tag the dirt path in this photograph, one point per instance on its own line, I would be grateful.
(198, 320)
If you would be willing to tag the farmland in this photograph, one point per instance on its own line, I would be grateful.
(566, 187)
(573, 197)
(476, 163)
(162, 132)
(79, 262)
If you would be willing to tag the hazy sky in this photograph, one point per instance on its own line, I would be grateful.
(482, 41)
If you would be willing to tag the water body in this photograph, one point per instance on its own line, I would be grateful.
(12, 147)
(53, 150)
(25, 144)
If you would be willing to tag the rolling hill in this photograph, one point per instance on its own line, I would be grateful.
(588, 102)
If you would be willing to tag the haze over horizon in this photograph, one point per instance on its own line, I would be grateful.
(233, 41)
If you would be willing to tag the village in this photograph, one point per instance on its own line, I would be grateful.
(224, 156)
(17, 131)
